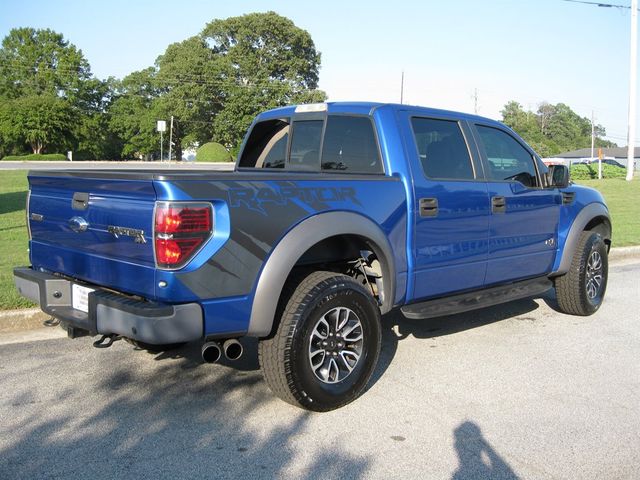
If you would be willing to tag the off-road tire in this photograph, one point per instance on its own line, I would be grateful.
(285, 357)
(577, 291)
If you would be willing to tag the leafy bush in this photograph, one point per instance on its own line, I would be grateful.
(590, 171)
(54, 157)
(235, 151)
(213, 152)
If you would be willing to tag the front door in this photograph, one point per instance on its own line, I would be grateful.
(524, 219)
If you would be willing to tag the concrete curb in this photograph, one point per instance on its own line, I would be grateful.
(32, 318)
(24, 319)
(624, 253)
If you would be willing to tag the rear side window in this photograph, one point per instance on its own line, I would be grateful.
(350, 146)
(305, 145)
(442, 149)
(507, 158)
(266, 147)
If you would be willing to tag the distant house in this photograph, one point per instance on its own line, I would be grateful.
(619, 154)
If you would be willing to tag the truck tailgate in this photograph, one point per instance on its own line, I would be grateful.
(94, 227)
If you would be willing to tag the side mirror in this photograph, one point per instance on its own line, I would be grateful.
(558, 176)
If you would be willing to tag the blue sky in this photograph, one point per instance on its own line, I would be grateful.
(525, 50)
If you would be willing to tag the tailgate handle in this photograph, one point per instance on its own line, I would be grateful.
(80, 201)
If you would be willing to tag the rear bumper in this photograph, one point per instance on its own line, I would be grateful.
(111, 313)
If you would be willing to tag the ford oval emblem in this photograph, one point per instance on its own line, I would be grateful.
(78, 224)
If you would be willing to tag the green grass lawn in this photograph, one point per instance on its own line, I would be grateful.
(13, 195)
(622, 197)
(623, 200)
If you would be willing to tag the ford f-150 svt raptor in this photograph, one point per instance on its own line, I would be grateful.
(335, 214)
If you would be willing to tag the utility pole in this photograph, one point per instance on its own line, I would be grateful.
(170, 137)
(633, 74)
(402, 89)
(593, 141)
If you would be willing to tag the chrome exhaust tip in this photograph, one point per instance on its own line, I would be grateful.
(211, 352)
(233, 349)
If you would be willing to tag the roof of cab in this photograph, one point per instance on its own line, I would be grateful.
(367, 108)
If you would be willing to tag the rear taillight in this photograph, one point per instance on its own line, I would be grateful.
(180, 230)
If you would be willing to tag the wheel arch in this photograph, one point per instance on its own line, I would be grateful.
(594, 216)
(302, 239)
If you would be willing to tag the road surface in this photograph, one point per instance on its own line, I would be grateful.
(514, 391)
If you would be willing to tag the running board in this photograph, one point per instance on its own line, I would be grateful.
(477, 299)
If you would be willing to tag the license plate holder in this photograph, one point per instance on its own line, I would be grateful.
(80, 297)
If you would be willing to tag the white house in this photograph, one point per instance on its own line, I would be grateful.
(619, 154)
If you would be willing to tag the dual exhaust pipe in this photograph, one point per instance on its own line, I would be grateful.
(212, 351)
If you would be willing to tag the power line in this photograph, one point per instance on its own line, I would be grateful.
(202, 79)
(19, 65)
(599, 4)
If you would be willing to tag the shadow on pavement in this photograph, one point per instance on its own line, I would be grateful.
(395, 327)
(174, 417)
(171, 419)
(477, 459)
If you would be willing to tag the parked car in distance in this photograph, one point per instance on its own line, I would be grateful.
(615, 163)
(594, 161)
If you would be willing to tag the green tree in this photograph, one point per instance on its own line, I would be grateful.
(47, 83)
(552, 129)
(215, 83)
(133, 113)
(514, 116)
(189, 92)
(261, 61)
(39, 62)
(39, 120)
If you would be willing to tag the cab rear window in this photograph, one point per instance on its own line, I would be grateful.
(337, 143)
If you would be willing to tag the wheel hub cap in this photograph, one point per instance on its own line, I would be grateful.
(595, 275)
(335, 345)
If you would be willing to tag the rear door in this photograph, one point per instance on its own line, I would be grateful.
(451, 214)
(523, 224)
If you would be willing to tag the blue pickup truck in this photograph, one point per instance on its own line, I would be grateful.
(336, 213)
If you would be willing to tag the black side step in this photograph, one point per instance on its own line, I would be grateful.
(477, 299)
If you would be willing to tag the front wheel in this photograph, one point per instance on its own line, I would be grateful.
(581, 290)
(326, 345)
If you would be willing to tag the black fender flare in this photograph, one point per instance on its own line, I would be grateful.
(586, 215)
(300, 239)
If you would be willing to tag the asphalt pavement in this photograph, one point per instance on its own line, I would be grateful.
(513, 391)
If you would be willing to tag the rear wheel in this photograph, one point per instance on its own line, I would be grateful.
(581, 290)
(326, 345)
